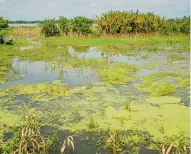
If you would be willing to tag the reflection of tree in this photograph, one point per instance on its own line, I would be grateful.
(81, 49)
(5, 68)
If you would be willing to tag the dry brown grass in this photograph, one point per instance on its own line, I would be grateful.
(26, 31)
(31, 140)
(68, 142)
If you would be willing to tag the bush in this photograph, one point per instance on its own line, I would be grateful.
(3, 23)
(50, 28)
(64, 24)
(81, 25)
(176, 26)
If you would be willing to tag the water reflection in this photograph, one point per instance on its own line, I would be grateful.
(41, 71)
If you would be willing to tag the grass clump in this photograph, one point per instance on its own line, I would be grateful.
(31, 140)
(175, 57)
(166, 74)
(157, 88)
(50, 89)
(145, 57)
(117, 74)
(161, 89)
(185, 83)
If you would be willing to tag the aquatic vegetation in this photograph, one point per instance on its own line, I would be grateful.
(5, 67)
(175, 57)
(166, 74)
(92, 125)
(163, 100)
(145, 56)
(117, 74)
(147, 119)
(113, 143)
(185, 82)
(160, 89)
(157, 88)
(127, 107)
(55, 90)
(58, 82)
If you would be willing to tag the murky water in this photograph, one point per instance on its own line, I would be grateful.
(40, 71)
(79, 107)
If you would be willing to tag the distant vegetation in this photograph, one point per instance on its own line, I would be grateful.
(3, 23)
(123, 22)
(24, 22)
(112, 23)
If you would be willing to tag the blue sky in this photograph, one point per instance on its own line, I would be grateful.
(40, 9)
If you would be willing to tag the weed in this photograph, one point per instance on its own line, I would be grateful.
(31, 140)
(92, 125)
(113, 143)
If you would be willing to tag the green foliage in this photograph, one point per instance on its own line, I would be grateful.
(50, 28)
(123, 22)
(81, 25)
(160, 89)
(54, 145)
(117, 74)
(92, 125)
(3, 23)
(64, 24)
(176, 25)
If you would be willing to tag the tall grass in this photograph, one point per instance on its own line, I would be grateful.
(26, 31)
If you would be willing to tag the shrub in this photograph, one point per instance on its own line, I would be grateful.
(81, 25)
(64, 24)
(50, 28)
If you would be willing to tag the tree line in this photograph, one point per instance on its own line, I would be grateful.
(23, 22)
(113, 22)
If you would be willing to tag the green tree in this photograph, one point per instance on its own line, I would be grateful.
(81, 25)
(50, 28)
(64, 24)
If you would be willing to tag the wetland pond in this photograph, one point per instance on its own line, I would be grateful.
(142, 93)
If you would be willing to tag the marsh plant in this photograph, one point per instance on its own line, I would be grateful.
(113, 143)
(31, 140)
(177, 144)
(92, 125)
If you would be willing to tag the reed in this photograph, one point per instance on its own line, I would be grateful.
(31, 140)
(26, 31)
